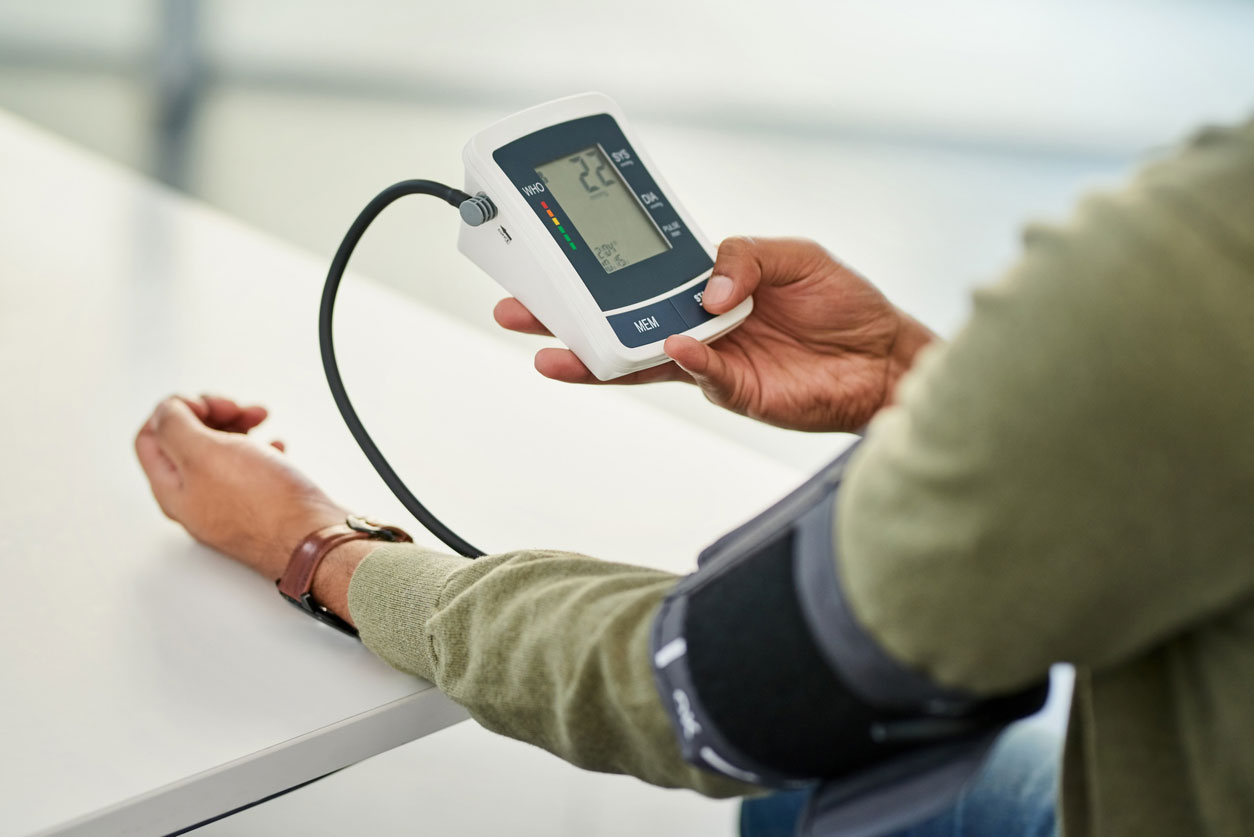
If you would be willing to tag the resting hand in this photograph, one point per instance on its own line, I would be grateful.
(822, 350)
(229, 492)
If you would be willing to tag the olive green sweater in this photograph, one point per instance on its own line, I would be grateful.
(1071, 479)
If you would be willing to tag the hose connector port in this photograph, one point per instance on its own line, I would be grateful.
(477, 209)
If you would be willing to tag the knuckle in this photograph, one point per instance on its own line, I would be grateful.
(735, 247)
(162, 413)
(812, 252)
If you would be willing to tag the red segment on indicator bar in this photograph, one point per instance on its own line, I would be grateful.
(544, 205)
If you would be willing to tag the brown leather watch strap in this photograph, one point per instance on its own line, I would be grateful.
(296, 583)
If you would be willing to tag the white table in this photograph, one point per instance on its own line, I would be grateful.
(149, 684)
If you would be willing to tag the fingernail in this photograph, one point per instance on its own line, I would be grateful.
(718, 290)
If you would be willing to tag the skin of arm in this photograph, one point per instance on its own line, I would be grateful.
(989, 407)
(822, 351)
(570, 671)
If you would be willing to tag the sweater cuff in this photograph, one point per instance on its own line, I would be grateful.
(394, 591)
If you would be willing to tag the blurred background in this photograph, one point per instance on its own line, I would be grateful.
(912, 138)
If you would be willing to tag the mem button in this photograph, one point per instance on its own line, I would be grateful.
(647, 324)
(688, 303)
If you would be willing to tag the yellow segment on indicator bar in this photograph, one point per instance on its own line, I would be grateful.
(555, 221)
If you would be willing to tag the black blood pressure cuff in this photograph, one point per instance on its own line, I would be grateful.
(769, 679)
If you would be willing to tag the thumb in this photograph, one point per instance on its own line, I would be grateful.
(744, 263)
(709, 370)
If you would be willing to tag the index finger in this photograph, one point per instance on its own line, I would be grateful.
(511, 314)
(177, 429)
(225, 414)
(158, 467)
(565, 366)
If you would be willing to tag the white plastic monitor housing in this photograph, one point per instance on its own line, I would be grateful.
(519, 251)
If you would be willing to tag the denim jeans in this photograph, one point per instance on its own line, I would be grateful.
(1015, 793)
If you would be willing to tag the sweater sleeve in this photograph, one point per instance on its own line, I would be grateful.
(1072, 478)
(550, 648)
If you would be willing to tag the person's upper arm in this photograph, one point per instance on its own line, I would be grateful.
(1072, 478)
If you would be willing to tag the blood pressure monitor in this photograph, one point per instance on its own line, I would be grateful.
(564, 208)
(588, 235)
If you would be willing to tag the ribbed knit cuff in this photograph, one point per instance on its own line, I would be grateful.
(392, 595)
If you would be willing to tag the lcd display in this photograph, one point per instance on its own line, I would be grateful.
(603, 208)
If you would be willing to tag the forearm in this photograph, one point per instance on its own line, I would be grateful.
(549, 648)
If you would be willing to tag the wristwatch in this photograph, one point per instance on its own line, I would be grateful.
(296, 583)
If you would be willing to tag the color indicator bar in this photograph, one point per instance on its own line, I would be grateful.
(558, 224)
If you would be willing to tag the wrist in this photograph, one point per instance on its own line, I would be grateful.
(270, 555)
(335, 573)
(910, 339)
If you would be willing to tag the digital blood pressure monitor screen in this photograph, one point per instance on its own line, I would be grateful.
(603, 210)
(608, 214)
